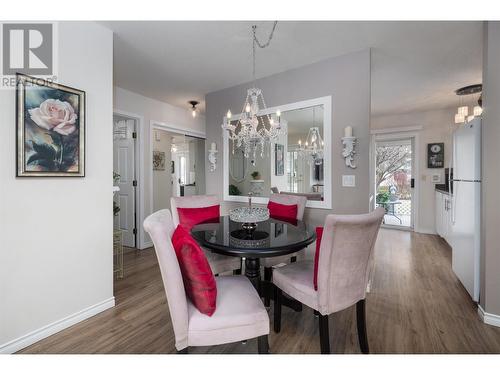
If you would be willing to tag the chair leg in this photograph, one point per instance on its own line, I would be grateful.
(237, 272)
(263, 344)
(277, 309)
(361, 320)
(183, 351)
(324, 336)
(268, 289)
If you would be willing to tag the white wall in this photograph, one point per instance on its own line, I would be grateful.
(56, 233)
(153, 111)
(436, 127)
(490, 199)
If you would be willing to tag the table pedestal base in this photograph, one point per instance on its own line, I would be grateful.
(252, 271)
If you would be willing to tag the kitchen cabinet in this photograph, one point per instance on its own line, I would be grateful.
(443, 214)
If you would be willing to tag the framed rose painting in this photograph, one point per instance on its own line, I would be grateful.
(50, 129)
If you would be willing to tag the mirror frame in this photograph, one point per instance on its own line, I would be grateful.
(326, 102)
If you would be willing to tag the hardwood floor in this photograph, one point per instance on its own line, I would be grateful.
(416, 305)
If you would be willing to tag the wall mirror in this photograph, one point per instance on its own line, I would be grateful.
(290, 165)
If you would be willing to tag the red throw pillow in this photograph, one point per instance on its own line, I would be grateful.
(199, 281)
(319, 234)
(285, 211)
(189, 217)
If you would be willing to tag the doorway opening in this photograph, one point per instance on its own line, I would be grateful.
(124, 176)
(395, 179)
(178, 166)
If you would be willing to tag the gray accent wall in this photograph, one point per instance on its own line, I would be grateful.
(347, 79)
(490, 219)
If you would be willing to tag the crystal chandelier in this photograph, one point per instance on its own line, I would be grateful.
(252, 131)
(312, 149)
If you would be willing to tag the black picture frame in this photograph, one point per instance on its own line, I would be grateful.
(55, 147)
(435, 155)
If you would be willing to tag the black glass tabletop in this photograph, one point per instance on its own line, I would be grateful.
(270, 238)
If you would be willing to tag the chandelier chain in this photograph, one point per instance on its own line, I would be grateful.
(256, 42)
(254, 130)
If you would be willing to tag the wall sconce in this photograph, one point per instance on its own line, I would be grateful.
(212, 157)
(349, 142)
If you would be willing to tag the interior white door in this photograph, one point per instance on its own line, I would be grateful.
(124, 165)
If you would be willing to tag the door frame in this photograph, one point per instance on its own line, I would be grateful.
(395, 134)
(159, 125)
(140, 239)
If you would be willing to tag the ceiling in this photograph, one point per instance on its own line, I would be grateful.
(415, 65)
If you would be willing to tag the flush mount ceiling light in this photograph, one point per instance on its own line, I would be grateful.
(251, 130)
(193, 103)
(463, 115)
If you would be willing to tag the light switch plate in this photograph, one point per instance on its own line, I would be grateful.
(436, 178)
(348, 180)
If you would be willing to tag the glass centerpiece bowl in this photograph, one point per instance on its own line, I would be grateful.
(249, 214)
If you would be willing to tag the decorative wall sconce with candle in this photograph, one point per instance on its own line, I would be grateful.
(212, 157)
(349, 141)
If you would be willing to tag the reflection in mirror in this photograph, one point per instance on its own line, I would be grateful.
(178, 167)
(292, 165)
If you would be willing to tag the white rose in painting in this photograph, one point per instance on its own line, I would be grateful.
(55, 115)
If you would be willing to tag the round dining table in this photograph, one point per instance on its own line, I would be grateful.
(271, 238)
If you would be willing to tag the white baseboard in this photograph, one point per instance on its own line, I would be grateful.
(146, 245)
(48, 330)
(425, 231)
(488, 318)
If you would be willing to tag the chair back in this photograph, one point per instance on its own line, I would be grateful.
(193, 201)
(345, 259)
(289, 200)
(160, 228)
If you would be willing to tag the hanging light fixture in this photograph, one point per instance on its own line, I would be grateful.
(312, 149)
(463, 115)
(252, 131)
(193, 103)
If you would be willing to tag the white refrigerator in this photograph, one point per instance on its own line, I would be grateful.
(466, 205)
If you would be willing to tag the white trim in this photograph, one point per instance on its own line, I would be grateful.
(425, 231)
(488, 318)
(326, 101)
(148, 244)
(385, 136)
(397, 130)
(176, 129)
(139, 167)
(57, 326)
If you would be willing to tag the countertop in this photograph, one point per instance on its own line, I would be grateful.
(442, 188)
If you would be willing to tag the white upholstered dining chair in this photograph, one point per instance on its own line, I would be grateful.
(344, 271)
(239, 315)
(218, 263)
(268, 263)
